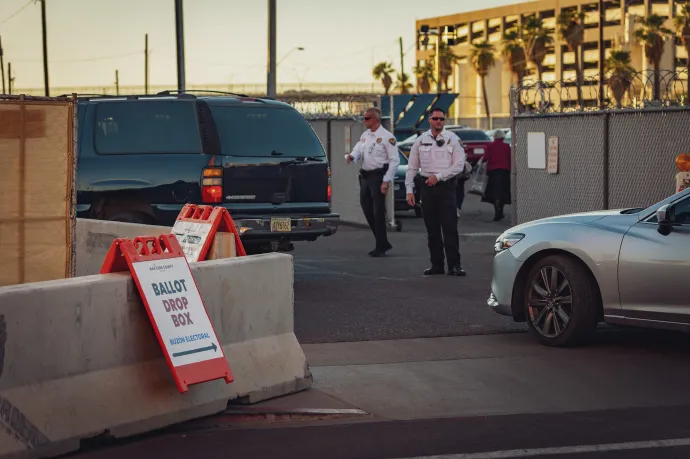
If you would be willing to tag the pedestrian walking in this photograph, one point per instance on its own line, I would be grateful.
(497, 159)
(378, 154)
(440, 157)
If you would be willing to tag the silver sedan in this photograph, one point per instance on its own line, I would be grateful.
(563, 275)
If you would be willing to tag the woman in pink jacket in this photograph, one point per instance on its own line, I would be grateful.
(497, 159)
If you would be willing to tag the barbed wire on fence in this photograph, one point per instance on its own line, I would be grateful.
(318, 106)
(622, 90)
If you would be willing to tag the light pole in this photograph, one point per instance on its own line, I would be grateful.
(271, 74)
(296, 48)
(179, 33)
(437, 61)
(45, 48)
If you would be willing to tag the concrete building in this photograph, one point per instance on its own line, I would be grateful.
(619, 24)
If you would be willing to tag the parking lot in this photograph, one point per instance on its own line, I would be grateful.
(341, 294)
(410, 366)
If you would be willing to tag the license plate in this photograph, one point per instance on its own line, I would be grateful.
(281, 225)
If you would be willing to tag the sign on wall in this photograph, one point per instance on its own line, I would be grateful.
(552, 163)
(536, 150)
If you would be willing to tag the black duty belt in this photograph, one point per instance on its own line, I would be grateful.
(379, 171)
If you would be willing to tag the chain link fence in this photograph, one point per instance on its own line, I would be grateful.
(608, 156)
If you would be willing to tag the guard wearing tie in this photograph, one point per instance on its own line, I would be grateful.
(378, 154)
(440, 157)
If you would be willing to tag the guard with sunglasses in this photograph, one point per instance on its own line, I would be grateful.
(439, 155)
(378, 154)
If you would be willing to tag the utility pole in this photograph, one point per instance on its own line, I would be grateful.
(117, 82)
(10, 79)
(602, 52)
(271, 87)
(179, 29)
(437, 63)
(45, 48)
(402, 64)
(146, 64)
(2, 67)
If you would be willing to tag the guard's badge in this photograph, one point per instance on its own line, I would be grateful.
(379, 140)
(392, 140)
(440, 142)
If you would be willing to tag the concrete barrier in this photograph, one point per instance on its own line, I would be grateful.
(78, 357)
(94, 238)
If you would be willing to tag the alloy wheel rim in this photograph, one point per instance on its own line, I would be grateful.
(550, 302)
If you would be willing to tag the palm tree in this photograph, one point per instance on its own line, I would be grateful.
(536, 41)
(446, 61)
(682, 22)
(482, 58)
(514, 54)
(425, 76)
(652, 35)
(403, 83)
(618, 64)
(571, 27)
(382, 71)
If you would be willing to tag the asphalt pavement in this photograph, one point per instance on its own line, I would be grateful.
(408, 366)
(342, 294)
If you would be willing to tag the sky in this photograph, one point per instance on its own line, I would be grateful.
(226, 41)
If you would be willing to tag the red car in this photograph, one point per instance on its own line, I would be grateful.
(475, 142)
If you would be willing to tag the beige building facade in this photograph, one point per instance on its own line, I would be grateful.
(618, 21)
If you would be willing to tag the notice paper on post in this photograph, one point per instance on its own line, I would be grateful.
(192, 237)
(178, 311)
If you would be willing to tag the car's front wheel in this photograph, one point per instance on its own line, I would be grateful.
(561, 301)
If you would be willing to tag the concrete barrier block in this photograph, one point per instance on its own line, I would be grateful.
(94, 238)
(80, 356)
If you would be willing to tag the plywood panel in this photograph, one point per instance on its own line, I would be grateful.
(37, 196)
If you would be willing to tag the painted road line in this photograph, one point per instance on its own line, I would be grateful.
(582, 449)
(297, 411)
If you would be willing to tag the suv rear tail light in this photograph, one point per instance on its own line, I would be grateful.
(329, 190)
(212, 185)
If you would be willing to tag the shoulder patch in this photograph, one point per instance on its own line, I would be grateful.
(392, 140)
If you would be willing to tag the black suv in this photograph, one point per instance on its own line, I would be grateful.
(141, 158)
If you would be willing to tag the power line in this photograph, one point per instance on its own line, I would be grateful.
(16, 12)
(88, 59)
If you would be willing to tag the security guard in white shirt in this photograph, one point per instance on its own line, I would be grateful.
(439, 155)
(378, 154)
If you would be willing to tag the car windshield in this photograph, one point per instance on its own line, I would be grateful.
(471, 134)
(264, 132)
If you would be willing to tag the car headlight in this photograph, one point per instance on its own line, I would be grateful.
(506, 241)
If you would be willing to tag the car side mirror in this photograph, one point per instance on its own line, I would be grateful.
(665, 219)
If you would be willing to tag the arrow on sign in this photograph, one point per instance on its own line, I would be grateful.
(195, 351)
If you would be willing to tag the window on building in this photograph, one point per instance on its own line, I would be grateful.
(613, 14)
(681, 59)
(462, 32)
(477, 31)
(661, 8)
(511, 22)
(591, 11)
(548, 20)
(635, 7)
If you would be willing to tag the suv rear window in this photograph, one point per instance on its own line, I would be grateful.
(264, 131)
(141, 127)
(471, 134)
